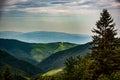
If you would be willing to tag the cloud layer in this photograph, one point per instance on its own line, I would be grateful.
(59, 6)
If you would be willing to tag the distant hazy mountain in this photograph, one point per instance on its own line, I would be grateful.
(45, 37)
(57, 60)
(32, 52)
(18, 66)
(9, 34)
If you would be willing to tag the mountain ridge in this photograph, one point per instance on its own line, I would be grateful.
(32, 52)
(46, 37)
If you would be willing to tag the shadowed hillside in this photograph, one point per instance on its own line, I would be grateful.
(17, 65)
(57, 60)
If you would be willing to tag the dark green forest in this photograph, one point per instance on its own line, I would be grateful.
(101, 63)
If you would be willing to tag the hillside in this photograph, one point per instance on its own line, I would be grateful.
(32, 52)
(46, 37)
(19, 66)
(53, 72)
(57, 60)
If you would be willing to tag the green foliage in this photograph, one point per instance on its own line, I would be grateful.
(115, 75)
(103, 77)
(104, 54)
(47, 78)
(20, 77)
(75, 68)
(7, 74)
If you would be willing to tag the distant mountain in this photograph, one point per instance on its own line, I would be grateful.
(32, 52)
(57, 60)
(9, 34)
(46, 37)
(18, 65)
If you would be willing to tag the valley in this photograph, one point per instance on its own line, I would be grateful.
(32, 52)
(27, 59)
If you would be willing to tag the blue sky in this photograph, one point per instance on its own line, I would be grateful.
(70, 16)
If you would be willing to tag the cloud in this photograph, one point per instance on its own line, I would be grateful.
(59, 6)
(16, 1)
(59, 2)
(116, 4)
(2, 2)
(118, 1)
(32, 4)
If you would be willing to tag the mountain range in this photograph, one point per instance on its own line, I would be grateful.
(45, 37)
(32, 52)
(40, 51)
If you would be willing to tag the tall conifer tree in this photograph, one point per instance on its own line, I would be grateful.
(106, 58)
(7, 73)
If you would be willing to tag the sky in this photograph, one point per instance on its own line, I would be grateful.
(70, 16)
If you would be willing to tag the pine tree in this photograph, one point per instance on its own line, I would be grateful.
(69, 69)
(104, 55)
(75, 68)
(7, 74)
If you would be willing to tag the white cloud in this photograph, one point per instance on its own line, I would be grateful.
(116, 4)
(15, 1)
(70, 7)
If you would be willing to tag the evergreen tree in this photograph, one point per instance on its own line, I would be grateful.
(104, 55)
(75, 68)
(69, 69)
(7, 74)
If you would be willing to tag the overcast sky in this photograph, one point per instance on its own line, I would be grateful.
(70, 16)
